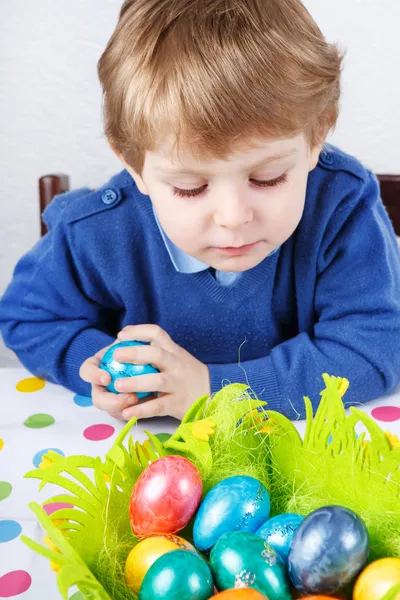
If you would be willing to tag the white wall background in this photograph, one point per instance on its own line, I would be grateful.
(50, 100)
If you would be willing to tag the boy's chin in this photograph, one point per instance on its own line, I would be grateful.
(238, 264)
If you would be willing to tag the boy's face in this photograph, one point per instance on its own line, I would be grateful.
(230, 214)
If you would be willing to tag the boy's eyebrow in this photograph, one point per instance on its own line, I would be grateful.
(183, 170)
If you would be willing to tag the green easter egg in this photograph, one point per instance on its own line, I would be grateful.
(241, 559)
(178, 575)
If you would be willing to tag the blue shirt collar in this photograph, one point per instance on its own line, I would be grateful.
(183, 263)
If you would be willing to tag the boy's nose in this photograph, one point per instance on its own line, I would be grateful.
(233, 212)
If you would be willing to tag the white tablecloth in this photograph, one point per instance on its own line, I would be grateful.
(47, 417)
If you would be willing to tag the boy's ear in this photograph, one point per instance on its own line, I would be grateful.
(314, 155)
(138, 180)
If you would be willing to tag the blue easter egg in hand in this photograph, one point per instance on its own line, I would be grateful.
(279, 531)
(236, 503)
(118, 370)
(328, 550)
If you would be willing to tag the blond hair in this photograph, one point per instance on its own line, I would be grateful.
(215, 74)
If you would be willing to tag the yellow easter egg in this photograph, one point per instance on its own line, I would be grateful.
(146, 552)
(377, 579)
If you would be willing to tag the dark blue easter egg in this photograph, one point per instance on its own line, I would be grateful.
(236, 503)
(328, 550)
(119, 370)
(178, 575)
(279, 531)
(243, 560)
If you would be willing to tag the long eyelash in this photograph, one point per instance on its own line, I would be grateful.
(188, 193)
(197, 191)
(272, 182)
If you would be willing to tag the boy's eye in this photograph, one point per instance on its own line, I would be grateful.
(188, 193)
(271, 182)
(197, 191)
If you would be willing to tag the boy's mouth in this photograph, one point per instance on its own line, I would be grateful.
(237, 250)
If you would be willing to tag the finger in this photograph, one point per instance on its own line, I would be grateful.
(102, 352)
(153, 382)
(91, 372)
(112, 403)
(147, 410)
(157, 356)
(117, 415)
(145, 333)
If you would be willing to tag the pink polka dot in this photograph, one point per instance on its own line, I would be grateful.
(53, 506)
(386, 413)
(14, 583)
(96, 433)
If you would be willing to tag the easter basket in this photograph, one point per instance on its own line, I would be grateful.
(227, 435)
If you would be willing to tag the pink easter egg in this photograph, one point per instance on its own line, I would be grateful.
(165, 497)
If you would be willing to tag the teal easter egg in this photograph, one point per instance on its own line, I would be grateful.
(119, 370)
(241, 559)
(178, 575)
(235, 503)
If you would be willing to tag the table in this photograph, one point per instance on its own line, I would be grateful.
(36, 416)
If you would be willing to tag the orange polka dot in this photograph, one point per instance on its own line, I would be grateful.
(30, 384)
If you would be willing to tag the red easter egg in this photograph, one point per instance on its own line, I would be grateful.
(165, 497)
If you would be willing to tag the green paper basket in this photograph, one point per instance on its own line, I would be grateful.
(230, 434)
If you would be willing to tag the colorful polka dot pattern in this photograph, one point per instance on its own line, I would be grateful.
(31, 384)
(17, 582)
(96, 433)
(37, 459)
(9, 530)
(5, 489)
(52, 507)
(387, 414)
(14, 583)
(83, 400)
(39, 421)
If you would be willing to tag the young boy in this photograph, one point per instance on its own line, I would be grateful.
(234, 241)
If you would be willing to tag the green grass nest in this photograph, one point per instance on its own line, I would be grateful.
(225, 435)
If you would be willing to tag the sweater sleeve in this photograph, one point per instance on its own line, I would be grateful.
(356, 333)
(46, 318)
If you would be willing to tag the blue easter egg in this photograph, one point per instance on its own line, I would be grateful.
(237, 503)
(119, 370)
(328, 550)
(279, 531)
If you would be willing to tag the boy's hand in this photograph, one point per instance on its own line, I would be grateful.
(181, 381)
(114, 404)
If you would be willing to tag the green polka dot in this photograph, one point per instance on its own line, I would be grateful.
(39, 421)
(5, 489)
(77, 596)
(163, 437)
